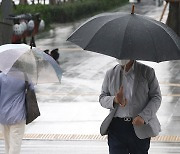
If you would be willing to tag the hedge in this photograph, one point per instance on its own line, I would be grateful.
(69, 11)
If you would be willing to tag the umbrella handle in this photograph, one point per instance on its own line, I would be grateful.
(32, 42)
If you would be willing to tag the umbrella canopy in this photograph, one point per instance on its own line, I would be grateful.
(39, 67)
(128, 36)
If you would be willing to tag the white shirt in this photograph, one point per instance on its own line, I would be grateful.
(128, 82)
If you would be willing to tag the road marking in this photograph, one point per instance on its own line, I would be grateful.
(172, 95)
(93, 137)
(170, 84)
(97, 94)
(88, 94)
(71, 94)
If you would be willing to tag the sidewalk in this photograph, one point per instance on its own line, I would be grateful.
(71, 111)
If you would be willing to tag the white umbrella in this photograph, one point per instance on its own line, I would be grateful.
(39, 67)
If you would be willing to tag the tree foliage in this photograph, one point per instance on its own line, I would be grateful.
(69, 11)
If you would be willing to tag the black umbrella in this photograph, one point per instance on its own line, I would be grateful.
(128, 36)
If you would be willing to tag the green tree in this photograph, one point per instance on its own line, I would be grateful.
(24, 2)
(52, 2)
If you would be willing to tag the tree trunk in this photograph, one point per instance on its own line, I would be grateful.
(52, 2)
(23, 2)
(6, 26)
(173, 19)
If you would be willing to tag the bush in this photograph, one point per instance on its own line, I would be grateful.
(68, 12)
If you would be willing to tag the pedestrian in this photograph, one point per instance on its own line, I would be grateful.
(132, 91)
(55, 54)
(12, 109)
(46, 51)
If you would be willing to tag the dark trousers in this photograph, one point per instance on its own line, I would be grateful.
(123, 140)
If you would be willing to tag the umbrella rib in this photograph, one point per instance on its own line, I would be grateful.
(154, 22)
(84, 24)
(36, 61)
(99, 30)
(167, 32)
(149, 31)
(123, 38)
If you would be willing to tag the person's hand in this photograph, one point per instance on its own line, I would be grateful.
(138, 121)
(119, 98)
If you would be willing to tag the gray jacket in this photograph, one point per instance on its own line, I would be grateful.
(146, 98)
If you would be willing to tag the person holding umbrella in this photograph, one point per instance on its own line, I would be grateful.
(131, 89)
(12, 108)
(22, 67)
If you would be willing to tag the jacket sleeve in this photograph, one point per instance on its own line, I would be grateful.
(105, 98)
(154, 95)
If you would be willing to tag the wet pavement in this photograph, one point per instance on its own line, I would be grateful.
(70, 112)
(84, 147)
